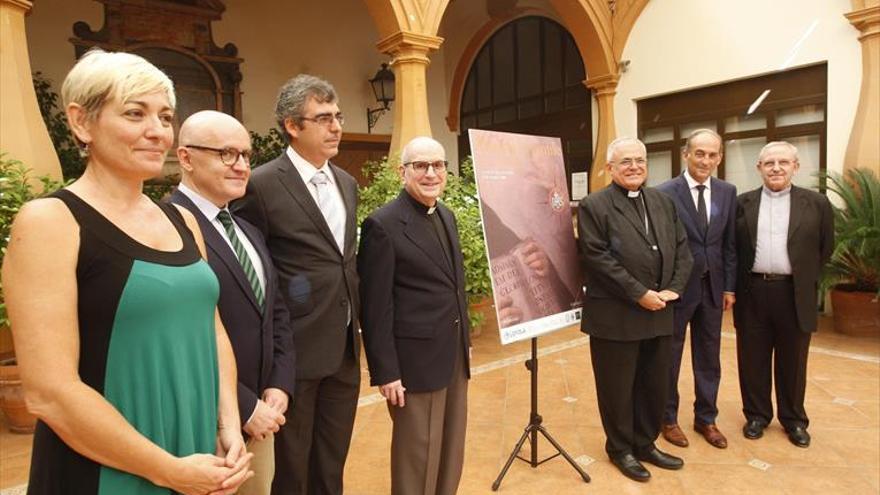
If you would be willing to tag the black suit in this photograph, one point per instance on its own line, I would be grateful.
(629, 345)
(701, 305)
(778, 317)
(319, 284)
(415, 329)
(261, 338)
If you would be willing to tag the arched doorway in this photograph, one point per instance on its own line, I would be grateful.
(528, 78)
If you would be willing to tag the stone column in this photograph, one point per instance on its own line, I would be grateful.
(409, 52)
(605, 87)
(23, 135)
(863, 149)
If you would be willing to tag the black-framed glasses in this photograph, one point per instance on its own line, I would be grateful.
(421, 167)
(229, 156)
(326, 119)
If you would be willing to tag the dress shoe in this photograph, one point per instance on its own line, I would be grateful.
(661, 459)
(753, 429)
(799, 436)
(712, 435)
(631, 467)
(673, 434)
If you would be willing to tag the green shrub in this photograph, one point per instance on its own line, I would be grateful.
(855, 263)
(15, 191)
(72, 164)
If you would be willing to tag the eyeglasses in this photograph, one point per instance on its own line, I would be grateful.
(229, 156)
(326, 119)
(773, 163)
(628, 162)
(421, 167)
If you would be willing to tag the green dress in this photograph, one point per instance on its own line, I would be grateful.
(147, 344)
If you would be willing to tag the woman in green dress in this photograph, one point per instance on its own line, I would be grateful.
(123, 357)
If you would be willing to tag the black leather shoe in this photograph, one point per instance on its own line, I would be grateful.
(631, 467)
(753, 429)
(799, 436)
(661, 459)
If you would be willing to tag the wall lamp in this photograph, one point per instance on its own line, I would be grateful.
(383, 88)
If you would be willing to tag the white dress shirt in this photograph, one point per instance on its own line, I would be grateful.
(307, 171)
(210, 210)
(695, 194)
(771, 247)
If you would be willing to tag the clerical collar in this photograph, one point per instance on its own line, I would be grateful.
(425, 210)
(777, 194)
(627, 192)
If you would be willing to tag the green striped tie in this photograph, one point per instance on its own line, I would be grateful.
(243, 257)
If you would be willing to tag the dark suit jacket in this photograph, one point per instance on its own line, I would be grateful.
(810, 243)
(414, 308)
(716, 250)
(318, 282)
(619, 266)
(261, 339)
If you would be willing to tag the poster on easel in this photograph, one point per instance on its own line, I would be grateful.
(529, 232)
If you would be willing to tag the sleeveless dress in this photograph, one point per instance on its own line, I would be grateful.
(147, 344)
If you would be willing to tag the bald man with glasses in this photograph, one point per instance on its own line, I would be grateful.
(415, 324)
(214, 156)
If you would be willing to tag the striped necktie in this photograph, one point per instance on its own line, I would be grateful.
(249, 271)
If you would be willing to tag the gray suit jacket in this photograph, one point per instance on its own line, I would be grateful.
(319, 283)
(619, 266)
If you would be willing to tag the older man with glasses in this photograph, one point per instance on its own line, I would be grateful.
(636, 264)
(415, 324)
(305, 207)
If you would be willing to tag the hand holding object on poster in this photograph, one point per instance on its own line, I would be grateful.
(531, 254)
(508, 314)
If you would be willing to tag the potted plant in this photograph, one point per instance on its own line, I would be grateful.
(461, 197)
(853, 274)
(16, 188)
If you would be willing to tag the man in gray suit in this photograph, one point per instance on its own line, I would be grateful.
(636, 263)
(214, 159)
(305, 207)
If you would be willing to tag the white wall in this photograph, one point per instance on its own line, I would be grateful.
(682, 44)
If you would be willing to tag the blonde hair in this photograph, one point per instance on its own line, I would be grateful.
(99, 77)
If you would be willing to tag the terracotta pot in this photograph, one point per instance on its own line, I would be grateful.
(856, 313)
(490, 322)
(12, 403)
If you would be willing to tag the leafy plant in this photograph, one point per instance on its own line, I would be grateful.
(855, 263)
(72, 164)
(461, 197)
(16, 190)
(266, 147)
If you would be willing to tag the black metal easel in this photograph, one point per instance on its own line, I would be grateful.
(532, 429)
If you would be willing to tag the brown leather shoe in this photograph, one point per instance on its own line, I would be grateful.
(712, 435)
(673, 434)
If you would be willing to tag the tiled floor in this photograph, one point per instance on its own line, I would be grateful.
(843, 401)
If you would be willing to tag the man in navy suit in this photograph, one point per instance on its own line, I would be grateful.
(214, 160)
(707, 208)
